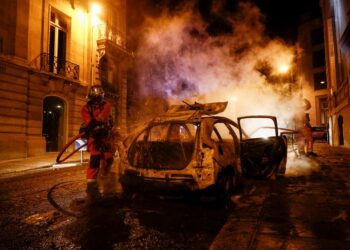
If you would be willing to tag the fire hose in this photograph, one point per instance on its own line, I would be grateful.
(69, 143)
(115, 134)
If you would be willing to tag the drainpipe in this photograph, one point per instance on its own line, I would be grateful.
(42, 26)
(27, 113)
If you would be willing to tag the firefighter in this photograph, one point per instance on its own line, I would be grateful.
(305, 139)
(309, 140)
(96, 115)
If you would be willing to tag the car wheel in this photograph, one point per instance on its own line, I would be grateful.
(282, 166)
(224, 185)
(128, 193)
(192, 196)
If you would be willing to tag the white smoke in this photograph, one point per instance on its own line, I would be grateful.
(301, 166)
(179, 60)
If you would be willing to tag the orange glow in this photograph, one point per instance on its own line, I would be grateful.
(95, 9)
(283, 68)
(95, 20)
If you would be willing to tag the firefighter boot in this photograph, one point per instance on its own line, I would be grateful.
(108, 185)
(92, 197)
(92, 193)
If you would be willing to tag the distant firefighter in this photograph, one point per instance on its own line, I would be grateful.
(305, 139)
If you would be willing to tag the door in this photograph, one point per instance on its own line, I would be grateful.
(340, 130)
(53, 123)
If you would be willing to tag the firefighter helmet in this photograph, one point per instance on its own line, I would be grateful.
(96, 94)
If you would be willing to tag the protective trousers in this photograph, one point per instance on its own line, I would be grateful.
(101, 158)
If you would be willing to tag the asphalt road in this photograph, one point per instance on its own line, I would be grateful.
(37, 213)
(307, 209)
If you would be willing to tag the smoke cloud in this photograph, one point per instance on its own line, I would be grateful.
(182, 57)
(178, 59)
(300, 166)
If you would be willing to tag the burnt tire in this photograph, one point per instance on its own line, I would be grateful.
(282, 166)
(225, 185)
(129, 193)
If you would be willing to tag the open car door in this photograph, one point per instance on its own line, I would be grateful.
(264, 152)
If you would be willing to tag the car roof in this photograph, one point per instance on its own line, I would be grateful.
(190, 112)
(184, 114)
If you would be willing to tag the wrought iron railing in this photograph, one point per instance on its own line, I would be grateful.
(112, 34)
(53, 64)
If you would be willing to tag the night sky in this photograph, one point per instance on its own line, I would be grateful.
(281, 17)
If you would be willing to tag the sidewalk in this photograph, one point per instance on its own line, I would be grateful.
(48, 160)
(309, 211)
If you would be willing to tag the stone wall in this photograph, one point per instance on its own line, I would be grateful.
(22, 92)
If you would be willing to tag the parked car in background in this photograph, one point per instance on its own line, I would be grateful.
(320, 133)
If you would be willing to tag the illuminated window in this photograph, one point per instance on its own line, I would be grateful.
(320, 81)
(58, 41)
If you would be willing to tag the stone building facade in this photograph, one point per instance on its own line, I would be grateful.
(51, 51)
(336, 25)
(312, 67)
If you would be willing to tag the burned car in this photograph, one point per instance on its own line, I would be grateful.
(190, 148)
(186, 149)
(264, 151)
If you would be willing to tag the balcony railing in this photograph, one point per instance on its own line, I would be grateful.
(52, 64)
(112, 34)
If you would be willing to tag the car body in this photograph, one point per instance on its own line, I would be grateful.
(189, 148)
(186, 149)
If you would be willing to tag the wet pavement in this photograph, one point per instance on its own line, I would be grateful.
(306, 209)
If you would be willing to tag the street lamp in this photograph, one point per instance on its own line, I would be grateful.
(95, 10)
(283, 68)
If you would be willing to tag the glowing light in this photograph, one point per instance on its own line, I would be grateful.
(95, 9)
(58, 106)
(234, 98)
(81, 16)
(322, 82)
(95, 21)
(283, 68)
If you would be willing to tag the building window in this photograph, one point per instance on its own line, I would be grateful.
(317, 36)
(323, 102)
(320, 81)
(57, 42)
(318, 59)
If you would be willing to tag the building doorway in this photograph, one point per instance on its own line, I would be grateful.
(53, 123)
(340, 130)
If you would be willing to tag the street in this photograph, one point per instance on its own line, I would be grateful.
(308, 210)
